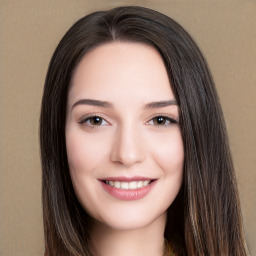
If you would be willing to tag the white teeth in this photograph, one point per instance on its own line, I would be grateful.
(111, 183)
(124, 185)
(117, 184)
(128, 185)
(146, 182)
(133, 185)
(140, 184)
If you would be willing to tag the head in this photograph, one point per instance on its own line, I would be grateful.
(122, 122)
(195, 213)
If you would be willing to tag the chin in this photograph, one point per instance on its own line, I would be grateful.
(130, 221)
(130, 224)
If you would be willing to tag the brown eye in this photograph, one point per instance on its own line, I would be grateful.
(159, 120)
(94, 121)
(162, 121)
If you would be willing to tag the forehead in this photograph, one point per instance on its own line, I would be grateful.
(133, 70)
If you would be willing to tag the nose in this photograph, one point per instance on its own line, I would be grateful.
(128, 148)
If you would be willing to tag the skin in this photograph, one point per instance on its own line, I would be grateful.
(127, 141)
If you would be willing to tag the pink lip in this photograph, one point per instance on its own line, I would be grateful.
(128, 179)
(128, 194)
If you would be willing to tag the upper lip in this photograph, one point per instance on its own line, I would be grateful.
(127, 179)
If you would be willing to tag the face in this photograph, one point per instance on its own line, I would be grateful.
(124, 145)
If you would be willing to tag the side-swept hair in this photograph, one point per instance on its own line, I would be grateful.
(205, 218)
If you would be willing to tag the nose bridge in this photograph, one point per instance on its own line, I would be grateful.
(128, 148)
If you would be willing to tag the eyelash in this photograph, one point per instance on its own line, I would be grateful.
(165, 118)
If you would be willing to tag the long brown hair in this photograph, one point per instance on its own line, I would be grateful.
(205, 218)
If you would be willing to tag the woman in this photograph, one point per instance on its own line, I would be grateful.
(134, 150)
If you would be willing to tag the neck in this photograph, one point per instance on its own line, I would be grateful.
(144, 241)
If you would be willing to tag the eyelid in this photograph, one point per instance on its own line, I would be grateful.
(83, 120)
(171, 119)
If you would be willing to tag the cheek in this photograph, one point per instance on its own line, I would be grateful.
(169, 156)
(84, 152)
(169, 153)
(85, 155)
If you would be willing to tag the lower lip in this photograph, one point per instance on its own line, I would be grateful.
(128, 194)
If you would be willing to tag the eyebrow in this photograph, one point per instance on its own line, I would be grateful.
(160, 104)
(105, 104)
(98, 103)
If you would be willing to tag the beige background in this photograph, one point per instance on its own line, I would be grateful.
(30, 31)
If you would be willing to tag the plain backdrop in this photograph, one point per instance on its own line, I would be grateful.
(29, 32)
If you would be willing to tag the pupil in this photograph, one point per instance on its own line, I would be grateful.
(160, 120)
(96, 120)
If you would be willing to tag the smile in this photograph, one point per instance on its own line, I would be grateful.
(128, 189)
(128, 185)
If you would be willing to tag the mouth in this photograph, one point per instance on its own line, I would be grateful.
(128, 189)
(128, 185)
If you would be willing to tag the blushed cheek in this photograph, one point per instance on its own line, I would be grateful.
(79, 156)
(81, 162)
(84, 153)
(176, 154)
(170, 155)
(73, 153)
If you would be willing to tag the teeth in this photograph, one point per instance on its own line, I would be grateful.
(146, 182)
(133, 185)
(117, 184)
(140, 184)
(124, 185)
(128, 185)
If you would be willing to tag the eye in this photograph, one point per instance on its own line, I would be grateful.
(93, 121)
(162, 121)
